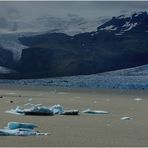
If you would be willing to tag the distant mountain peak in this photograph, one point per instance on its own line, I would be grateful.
(132, 14)
(126, 22)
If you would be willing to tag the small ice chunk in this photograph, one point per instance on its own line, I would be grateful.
(89, 111)
(107, 100)
(27, 104)
(95, 102)
(62, 93)
(126, 118)
(30, 99)
(11, 93)
(77, 97)
(108, 124)
(138, 99)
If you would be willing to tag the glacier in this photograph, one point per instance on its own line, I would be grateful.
(131, 78)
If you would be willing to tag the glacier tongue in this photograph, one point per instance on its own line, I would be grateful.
(11, 42)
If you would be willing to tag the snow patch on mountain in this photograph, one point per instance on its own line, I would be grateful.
(124, 23)
(111, 27)
(130, 26)
(129, 14)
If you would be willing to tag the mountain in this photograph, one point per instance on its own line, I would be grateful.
(119, 43)
(12, 29)
(134, 23)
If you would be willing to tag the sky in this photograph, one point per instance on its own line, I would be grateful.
(23, 16)
(88, 9)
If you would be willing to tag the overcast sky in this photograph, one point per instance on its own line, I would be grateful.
(29, 10)
(65, 16)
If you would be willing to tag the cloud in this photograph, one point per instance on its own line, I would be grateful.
(12, 13)
(22, 14)
(33, 9)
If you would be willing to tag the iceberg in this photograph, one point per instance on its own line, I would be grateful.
(89, 111)
(20, 129)
(15, 125)
(39, 109)
(17, 132)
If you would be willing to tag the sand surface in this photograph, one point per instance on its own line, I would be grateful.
(82, 130)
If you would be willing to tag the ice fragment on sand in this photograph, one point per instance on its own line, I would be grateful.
(11, 93)
(126, 118)
(89, 111)
(107, 100)
(77, 97)
(138, 99)
(62, 93)
(30, 99)
(95, 102)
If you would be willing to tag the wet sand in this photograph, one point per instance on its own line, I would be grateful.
(82, 130)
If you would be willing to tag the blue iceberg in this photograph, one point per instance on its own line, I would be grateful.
(38, 109)
(20, 129)
(16, 125)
